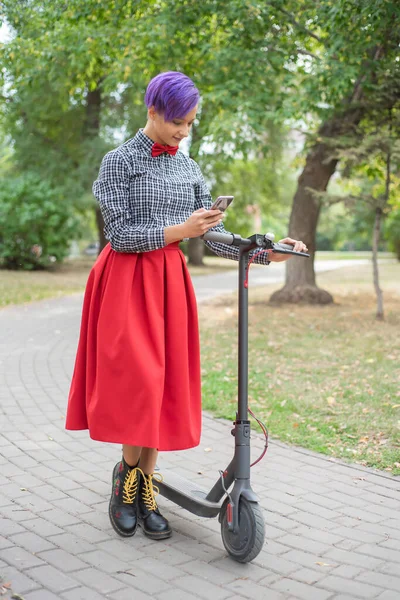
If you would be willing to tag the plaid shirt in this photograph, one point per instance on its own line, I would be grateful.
(139, 196)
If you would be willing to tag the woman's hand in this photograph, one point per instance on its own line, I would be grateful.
(298, 246)
(201, 221)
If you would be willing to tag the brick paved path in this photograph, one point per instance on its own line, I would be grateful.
(333, 531)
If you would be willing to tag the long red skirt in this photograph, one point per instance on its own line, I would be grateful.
(137, 372)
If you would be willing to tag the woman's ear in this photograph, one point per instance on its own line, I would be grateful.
(151, 113)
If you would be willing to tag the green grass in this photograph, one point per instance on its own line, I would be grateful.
(325, 378)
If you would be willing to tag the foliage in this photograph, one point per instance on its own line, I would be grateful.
(37, 225)
(262, 191)
(74, 75)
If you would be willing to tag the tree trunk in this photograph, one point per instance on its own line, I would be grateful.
(100, 228)
(300, 285)
(195, 251)
(375, 245)
(93, 108)
(195, 246)
(92, 130)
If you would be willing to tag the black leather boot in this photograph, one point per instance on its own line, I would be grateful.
(123, 503)
(154, 525)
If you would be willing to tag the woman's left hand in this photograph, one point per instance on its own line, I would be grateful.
(298, 246)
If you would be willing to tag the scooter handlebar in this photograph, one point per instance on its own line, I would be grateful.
(287, 249)
(261, 242)
(216, 236)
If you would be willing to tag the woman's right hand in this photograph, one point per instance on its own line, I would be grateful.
(201, 221)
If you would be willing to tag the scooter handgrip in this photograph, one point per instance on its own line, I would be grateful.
(283, 246)
(216, 236)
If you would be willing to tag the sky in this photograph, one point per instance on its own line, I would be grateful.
(5, 33)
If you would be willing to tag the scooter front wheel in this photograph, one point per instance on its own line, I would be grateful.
(246, 543)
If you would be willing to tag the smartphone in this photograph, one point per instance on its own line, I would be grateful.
(222, 203)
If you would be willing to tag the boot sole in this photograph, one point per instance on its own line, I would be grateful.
(162, 535)
(113, 523)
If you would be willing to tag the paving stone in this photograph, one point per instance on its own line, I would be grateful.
(380, 552)
(389, 595)
(42, 594)
(341, 557)
(346, 586)
(173, 594)
(85, 593)
(140, 579)
(19, 557)
(101, 582)
(109, 564)
(32, 542)
(164, 572)
(43, 527)
(296, 541)
(21, 583)
(202, 588)
(390, 568)
(380, 580)
(300, 590)
(71, 543)
(294, 558)
(209, 572)
(62, 560)
(51, 578)
(87, 532)
(348, 571)
(10, 527)
(308, 576)
(254, 591)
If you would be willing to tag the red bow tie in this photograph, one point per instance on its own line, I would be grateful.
(158, 149)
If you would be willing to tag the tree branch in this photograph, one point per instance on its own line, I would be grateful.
(299, 25)
(306, 53)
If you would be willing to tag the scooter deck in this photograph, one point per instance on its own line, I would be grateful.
(187, 494)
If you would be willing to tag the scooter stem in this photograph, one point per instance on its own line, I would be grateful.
(243, 342)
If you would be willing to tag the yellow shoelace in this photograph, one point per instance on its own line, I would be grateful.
(130, 487)
(150, 490)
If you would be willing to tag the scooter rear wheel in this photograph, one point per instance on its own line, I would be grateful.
(246, 543)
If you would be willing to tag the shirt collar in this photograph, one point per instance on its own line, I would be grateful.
(144, 140)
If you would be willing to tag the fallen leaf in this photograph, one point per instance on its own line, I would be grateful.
(331, 400)
(207, 449)
(322, 564)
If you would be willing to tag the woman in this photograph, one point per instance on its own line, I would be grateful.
(137, 372)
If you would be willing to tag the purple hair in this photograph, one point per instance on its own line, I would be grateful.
(172, 94)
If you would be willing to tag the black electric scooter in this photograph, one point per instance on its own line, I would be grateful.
(241, 518)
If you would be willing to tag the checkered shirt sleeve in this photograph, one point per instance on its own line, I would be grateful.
(112, 190)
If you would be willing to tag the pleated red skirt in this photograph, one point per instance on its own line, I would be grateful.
(137, 371)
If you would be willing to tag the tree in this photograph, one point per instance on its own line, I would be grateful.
(368, 165)
(355, 56)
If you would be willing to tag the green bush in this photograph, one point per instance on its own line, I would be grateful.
(36, 223)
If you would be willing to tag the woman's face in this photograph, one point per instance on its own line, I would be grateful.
(171, 132)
